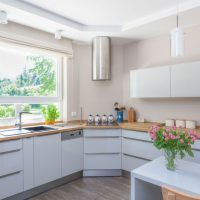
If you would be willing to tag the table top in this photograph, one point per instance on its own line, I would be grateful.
(185, 178)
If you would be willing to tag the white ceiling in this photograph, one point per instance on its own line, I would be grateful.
(83, 19)
(105, 12)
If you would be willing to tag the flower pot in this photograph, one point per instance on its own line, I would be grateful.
(50, 122)
(170, 159)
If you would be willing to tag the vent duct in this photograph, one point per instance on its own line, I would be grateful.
(101, 69)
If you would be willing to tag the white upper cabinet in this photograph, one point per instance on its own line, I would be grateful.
(151, 82)
(185, 80)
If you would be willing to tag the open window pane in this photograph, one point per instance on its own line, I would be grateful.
(26, 74)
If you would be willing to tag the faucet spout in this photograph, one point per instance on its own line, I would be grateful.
(20, 119)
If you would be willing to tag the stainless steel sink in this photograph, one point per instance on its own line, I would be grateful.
(11, 132)
(14, 132)
(40, 129)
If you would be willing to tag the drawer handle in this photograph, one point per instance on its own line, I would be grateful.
(102, 153)
(136, 157)
(12, 151)
(4, 176)
(105, 137)
(148, 141)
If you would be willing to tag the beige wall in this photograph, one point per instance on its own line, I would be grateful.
(96, 96)
(155, 52)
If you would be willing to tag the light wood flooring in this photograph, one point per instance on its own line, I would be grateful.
(101, 188)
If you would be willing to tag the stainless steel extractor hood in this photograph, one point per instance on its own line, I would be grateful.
(101, 69)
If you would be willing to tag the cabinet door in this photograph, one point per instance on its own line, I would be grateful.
(102, 161)
(185, 80)
(152, 82)
(102, 144)
(28, 163)
(72, 156)
(47, 158)
(130, 163)
(141, 149)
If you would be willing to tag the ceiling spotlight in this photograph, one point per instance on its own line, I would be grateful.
(58, 34)
(3, 17)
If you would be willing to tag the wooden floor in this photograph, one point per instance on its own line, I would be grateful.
(101, 188)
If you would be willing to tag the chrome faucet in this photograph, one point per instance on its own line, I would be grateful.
(19, 124)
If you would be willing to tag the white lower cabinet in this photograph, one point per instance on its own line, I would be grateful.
(102, 151)
(102, 161)
(72, 152)
(11, 184)
(137, 149)
(28, 154)
(130, 162)
(11, 168)
(47, 158)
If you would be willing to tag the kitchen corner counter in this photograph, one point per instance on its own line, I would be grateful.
(134, 126)
(139, 126)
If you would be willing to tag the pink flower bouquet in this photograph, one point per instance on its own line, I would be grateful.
(174, 141)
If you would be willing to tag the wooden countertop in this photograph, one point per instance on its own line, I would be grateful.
(135, 126)
(32, 134)
(138, 126)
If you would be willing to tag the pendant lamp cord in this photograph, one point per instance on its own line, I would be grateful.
(177, 17)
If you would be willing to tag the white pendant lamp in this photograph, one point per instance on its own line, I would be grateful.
(177, 40)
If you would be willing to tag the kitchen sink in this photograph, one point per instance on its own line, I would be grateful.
(40, 128)
(13, 132)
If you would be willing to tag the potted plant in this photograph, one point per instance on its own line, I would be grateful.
(50, 113)
(174, 141)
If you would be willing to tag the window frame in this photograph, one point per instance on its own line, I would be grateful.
(40, 99)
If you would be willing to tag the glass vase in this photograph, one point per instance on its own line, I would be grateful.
(171, 159)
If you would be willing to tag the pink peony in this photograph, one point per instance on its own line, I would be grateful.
(181, 141)
(167, 138)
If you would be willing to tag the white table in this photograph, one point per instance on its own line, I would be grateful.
(146, 181)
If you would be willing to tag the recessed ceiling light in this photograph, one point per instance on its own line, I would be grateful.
(3, 17)
(58, 34)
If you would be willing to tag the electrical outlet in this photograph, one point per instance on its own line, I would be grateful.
(73, 114)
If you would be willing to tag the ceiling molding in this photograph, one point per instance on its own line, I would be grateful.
(160, 15)
(35, 10)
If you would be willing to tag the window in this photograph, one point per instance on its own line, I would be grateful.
(28, 81)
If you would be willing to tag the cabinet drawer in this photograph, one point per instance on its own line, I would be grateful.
(11, 184)
(139, 148)
(129, 162)
(102, 145)
(102, 132)
(136, 135)
(102, 161)
(11, 162)
(196, 157)
(196, 145)
(10, 145)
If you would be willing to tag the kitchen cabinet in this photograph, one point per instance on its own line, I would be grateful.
(102, 152)
(47, 158)
(130, 162)
(137, 149)
(11, 168)
(185, 80)
(28, 163)
(72, 152)
(151, 82)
